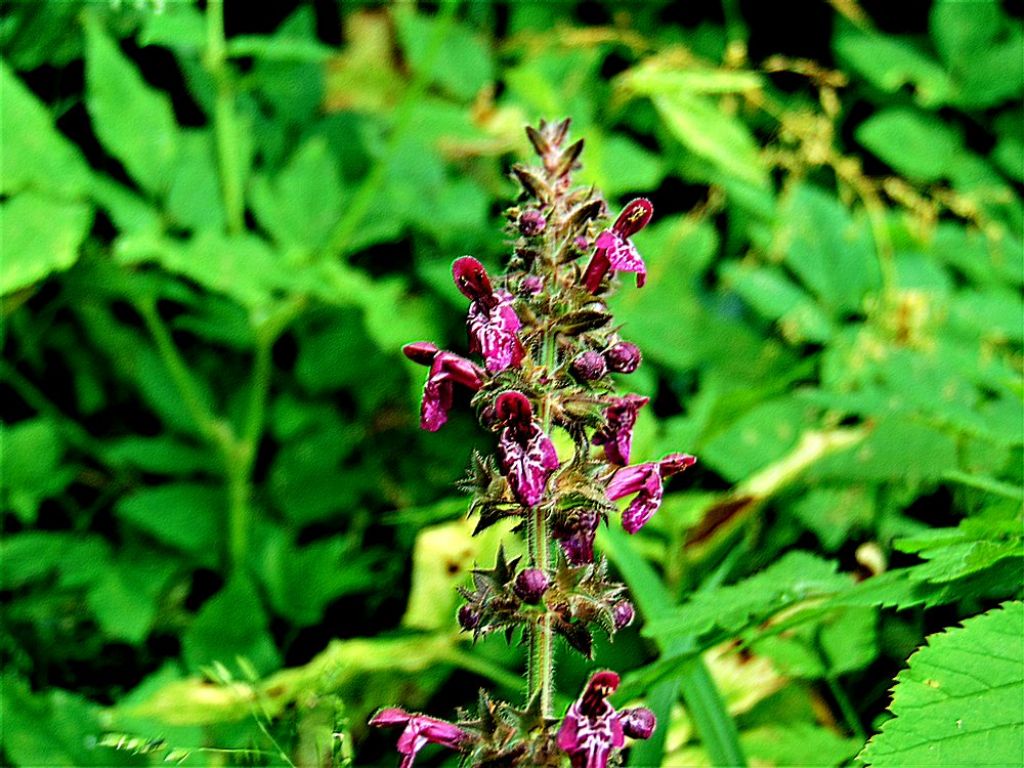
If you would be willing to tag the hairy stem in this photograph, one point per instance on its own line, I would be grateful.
(541, 667)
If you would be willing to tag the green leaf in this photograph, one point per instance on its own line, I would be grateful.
(760, 436)
(232, 623)
(135, 122)
(464, 67)
(767, 289)
(30, 466)
(304, 201)
(186, 516)
(976, 544)
(124, 598)
(981, 48)
(889, 132)
(284, 571)
(41, 236)
(890, 63)
(959, 700)
(701, 125)
(162, 455)
(194, 200)
(52, 728)
(35, 154)
(798, 576)
(829, 249)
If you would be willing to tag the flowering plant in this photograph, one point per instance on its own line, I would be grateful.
(548, 345)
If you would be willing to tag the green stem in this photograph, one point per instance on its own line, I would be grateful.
(225, 124)
(542, 660)
(846, 707)
(195, 403)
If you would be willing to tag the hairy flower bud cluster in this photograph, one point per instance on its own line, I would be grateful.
(541, 349)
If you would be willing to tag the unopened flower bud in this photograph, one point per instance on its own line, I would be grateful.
(589, 366)
(638, 722)
(532, 284)
(623, 614)
(623, 357)
(469, 618)
(581, 243)
(531, 222)
(531, 585)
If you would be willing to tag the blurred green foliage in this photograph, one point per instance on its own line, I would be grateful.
(216, 503)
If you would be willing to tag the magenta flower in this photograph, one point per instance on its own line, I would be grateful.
(645, 480)
(420, 730)
(615, 251)
(492, 322)
(617, 434)
(446, 370)
(591, 728)
(576, 536)
(527, 456)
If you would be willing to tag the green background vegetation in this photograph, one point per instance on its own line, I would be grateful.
(221, 525)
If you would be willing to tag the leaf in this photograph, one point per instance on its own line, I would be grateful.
(35, 154)
(797, 577)
(702, 127)
(304, 201)
(186, 516)
(135, 122)
(959, 700)
(976, 544)
(767, 289)
(41, 236)
(162, 455)
(194, 200)
(760, 436)
(889, 132)
(232, 623)
(829, 249)
(890, 62)
(464, 67)
(124, 598)
(30, 466)
(284, 571)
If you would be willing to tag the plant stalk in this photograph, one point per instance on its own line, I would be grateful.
(225, 124)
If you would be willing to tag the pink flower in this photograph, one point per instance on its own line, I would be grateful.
(446, 370)
(420, 730)
(527, 456)
(615, 251)
(592, 728)
(617, 434)
(492, 322)
(645, 480)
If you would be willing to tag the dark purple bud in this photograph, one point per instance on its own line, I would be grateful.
(532, 222)
(469, 618)
(623, 357)
(623, 614)
(531, 585)
(513, 408)
(589, 366)
(422, 352)
(471, 278)
(581, 243)
(634, 217)
(638, 722)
